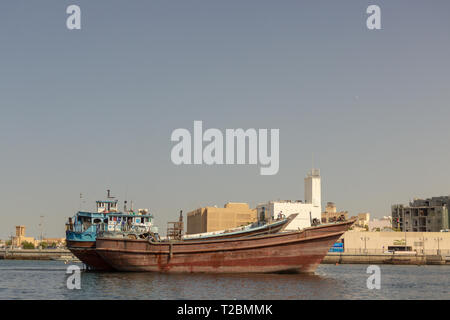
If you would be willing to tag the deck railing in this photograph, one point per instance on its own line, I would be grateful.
(121, 228)
(81, 227)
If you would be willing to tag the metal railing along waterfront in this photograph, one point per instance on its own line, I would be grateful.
(362, 251)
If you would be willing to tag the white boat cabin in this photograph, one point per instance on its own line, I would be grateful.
(107, 206)
(141, 221)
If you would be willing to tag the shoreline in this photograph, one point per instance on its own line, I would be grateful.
(330, 258)
(36, 254)
(398, 259)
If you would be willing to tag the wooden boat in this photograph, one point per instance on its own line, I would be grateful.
(245, 231)
(82, 229)
(285, 252)
(86, 253)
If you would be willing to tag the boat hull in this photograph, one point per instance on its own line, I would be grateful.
(86, 252)
(289, 252)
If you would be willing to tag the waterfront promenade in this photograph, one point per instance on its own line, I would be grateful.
(36, 254)
(405, 258)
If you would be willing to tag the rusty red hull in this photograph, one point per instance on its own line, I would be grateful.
(289, 252)
(85, 251)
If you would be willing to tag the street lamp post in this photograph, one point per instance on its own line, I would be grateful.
(438, 250)
(41, 226)
(365, 243)
(405, 241)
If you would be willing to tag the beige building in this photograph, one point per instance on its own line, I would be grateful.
(55, 241)
(362, 221)
(20, 238)
(430, 243)
(209, 219)
(331, 214)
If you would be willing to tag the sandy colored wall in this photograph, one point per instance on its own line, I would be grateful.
(214, 219)
(428, 242)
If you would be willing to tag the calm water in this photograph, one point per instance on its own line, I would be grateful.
(47, 280)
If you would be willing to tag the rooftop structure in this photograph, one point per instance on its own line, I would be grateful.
(105, 206)
(331, 214)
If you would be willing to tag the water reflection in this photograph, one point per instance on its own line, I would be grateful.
(47, 280)
(212, 286)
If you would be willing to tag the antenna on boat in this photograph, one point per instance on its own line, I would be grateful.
(125, 202)
(109, 194)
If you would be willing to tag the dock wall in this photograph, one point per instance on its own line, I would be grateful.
(414, 259)
(35, 254)
(330, 258)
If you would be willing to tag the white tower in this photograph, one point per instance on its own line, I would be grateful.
(313, 190)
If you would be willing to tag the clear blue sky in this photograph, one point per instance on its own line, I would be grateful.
(87, 110)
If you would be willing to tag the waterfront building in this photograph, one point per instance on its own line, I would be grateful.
(331, 214)
(430, 243)
(363, 219)
(20, 238)
(208, 219)
(362, 222)
(422, 215)
(57, 242)
(307, 211)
